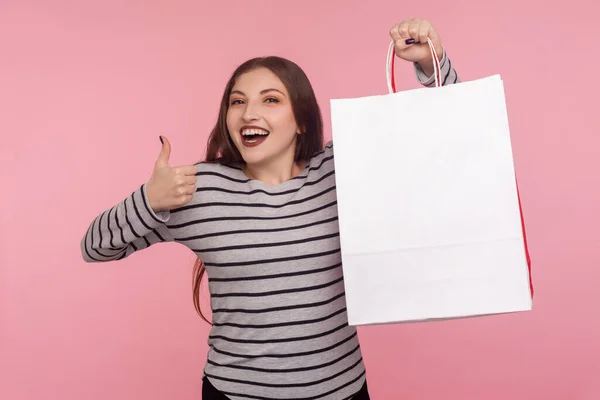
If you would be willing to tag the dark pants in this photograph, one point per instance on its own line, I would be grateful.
(209, 392)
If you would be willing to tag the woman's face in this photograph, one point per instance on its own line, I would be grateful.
(260, 118)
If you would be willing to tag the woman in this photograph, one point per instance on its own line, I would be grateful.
(261, 214)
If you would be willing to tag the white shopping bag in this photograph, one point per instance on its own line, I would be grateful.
(429, 213)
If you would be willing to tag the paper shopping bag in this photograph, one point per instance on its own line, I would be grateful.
(429, 213)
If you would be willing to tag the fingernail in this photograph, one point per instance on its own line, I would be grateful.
(409, 41)
(161, 141)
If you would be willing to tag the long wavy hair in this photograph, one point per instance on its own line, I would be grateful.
(307, 113)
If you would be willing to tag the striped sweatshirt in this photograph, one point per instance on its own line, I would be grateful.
(272, 255)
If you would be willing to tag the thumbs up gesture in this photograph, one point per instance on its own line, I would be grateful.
(170, 187)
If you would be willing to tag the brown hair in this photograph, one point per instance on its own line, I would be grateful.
(307, 113)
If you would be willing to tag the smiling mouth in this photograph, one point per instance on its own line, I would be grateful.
(252, 137)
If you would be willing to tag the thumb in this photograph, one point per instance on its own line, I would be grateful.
(165, 153)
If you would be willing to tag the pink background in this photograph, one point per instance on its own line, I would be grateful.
(86, 88)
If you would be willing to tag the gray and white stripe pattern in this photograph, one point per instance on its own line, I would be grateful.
(272, 254)
(448, 74)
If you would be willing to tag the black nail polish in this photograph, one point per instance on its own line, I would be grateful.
(161, 141)
(409, 41)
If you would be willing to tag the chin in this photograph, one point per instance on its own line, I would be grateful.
(254, 158)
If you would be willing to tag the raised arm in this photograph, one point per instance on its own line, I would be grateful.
(410, 39)
(139, 221)
(127, 227)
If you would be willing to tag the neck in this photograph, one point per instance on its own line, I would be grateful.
(275, 172)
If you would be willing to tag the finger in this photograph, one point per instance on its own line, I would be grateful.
(185, 181)
(190, 180)
(186, 170)
(165, 153)
(413, 29)
(437, 42)
(424, 31)
(403, 28)
(394, 33)
(191, 189)
(185, 190)
(402, 35)
(185, 199)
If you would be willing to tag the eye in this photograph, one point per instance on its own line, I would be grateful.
(237, 101)
(272, 100)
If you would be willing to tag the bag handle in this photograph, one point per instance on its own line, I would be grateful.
(389, 66)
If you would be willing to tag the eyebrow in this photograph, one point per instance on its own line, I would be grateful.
(261, 92)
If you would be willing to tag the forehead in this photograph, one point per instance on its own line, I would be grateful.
(254, 81)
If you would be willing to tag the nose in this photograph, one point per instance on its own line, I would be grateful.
(251, 112)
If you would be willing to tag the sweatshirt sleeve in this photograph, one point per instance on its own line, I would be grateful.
(129, 226)
(448, 73)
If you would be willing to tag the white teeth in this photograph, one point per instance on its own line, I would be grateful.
(249, 132)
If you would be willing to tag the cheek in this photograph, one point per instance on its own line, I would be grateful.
(229, 121)
(288, 121)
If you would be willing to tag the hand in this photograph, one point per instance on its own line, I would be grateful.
(170, 187)
(419, 52)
